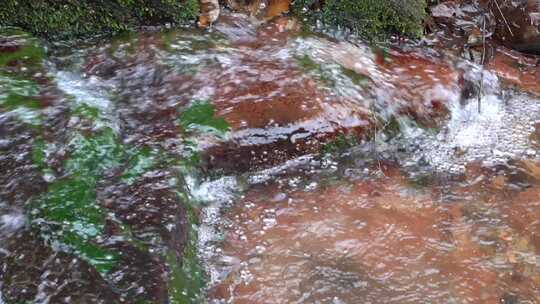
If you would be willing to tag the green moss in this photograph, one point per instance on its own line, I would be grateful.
(17, 97)
(142, 160)
(28, 50)
(200, 117)
(15, 101)
(86, 111)
(18, 90)
(30, 54)
(75, 18)
(356, 78)
(191, 155)
(339, 144)
(314, 69)
(12, 86)
(68, 214)
(24, 108)
(308, 64)
(91, 156)
(69, 217)
(39, 156)
(372, 19)
(187, 277)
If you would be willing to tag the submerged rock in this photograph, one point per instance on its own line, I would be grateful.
(285, 96)
(378, 239)
(464, 25)
(282, 95)
(103, 221)
(517, 70)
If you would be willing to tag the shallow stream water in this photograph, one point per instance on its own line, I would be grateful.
(256, 163)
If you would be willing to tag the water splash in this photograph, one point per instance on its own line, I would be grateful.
(494, 133)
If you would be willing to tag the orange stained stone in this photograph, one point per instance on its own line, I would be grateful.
(365, 242)
(516, 69)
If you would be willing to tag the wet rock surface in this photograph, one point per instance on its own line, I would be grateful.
(516, 69)
(518, 25)
(278, 111)
(281, 94)
(46, 118)
(514, 24)
(33, 272)
(380, 239)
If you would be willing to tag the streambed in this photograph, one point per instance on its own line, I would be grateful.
(256, 163)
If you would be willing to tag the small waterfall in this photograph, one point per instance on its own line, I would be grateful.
(491, 128)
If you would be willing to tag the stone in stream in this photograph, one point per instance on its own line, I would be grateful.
(8, 46)
(85, 215)
(522, 213)
(377, 240)
(282, 105)
(518, 24)
(35, 273)
(516, 69)
(282, 94)
(32, 271)
(514, 24)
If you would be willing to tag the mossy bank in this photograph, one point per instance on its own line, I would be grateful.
(371, 19)
(60, 19)
(80, 18)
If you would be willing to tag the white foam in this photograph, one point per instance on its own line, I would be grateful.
(86, 91)
(11, 223)
(490, 130)
(215, 195)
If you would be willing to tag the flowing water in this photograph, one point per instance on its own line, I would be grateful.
(256, 163)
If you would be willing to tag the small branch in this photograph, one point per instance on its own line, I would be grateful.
(482, 62)
(504, 18)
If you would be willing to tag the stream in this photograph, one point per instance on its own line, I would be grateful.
(261, 163)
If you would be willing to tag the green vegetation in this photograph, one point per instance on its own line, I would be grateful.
(315, 70)
(17, 92)
(76, 18)
(200, 117)
(340, 144)
(17, 97)
(372, 19)
(187, 278)
(68, 214)
(79, 18)
(357, 79)
(29, 51)
(141, 161)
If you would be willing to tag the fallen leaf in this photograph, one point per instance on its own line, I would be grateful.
(498, 182)
(533, 168)
(277, 8)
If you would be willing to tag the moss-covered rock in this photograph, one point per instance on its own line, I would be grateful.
(76, 18)
(373, 19)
